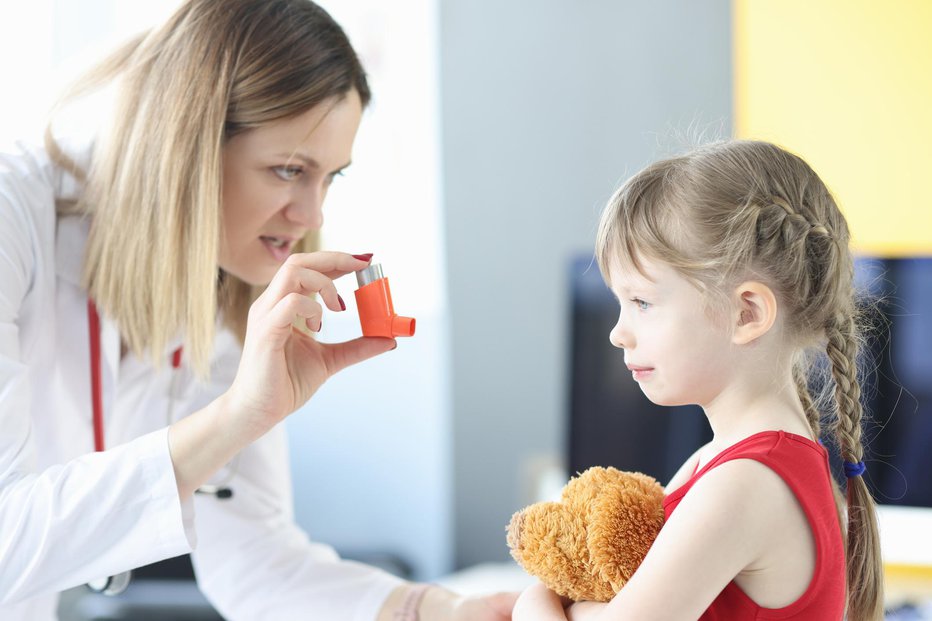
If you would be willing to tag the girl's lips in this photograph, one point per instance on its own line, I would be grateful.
(278, 247)
(640, 373)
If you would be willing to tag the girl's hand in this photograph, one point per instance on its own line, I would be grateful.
(538, 603)
(585, 611)
(281, 367)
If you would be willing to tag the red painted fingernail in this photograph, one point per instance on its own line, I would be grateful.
(342, 303)
(363, 257)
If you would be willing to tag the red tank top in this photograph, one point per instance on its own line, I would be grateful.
(803, 465)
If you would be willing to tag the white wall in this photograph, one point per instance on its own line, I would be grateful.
(370, 453)
(546, 106)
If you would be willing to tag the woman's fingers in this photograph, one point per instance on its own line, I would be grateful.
(310, 274)
(503, 603)
(296, 279)
(329, 263)
(281, 317)
(342, 355)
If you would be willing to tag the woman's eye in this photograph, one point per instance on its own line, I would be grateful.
(287, 173)
(334, 175)
(641, 304)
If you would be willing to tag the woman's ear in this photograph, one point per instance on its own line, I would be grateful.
(756, 311)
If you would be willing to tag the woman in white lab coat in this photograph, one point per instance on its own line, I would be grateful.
(153, 279)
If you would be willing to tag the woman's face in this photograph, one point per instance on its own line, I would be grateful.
(275, 179)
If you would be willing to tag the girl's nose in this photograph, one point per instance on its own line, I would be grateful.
(621, 336)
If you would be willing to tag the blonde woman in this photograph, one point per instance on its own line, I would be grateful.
(149, 288)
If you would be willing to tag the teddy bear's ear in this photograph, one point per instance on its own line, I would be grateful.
(549, 541)
(582, 492)
(625, 520)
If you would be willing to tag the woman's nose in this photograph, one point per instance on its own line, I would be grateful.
(306, 208)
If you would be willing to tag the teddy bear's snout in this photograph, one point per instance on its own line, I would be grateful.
(515, 526)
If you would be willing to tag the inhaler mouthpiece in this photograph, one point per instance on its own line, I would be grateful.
(374, 301)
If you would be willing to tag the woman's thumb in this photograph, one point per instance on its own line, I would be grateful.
(349, 353)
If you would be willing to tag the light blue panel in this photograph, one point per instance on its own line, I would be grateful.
(369, 453)
(546, 107)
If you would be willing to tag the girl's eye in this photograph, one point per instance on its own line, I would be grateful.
(641, 304)
(334, 175)
(287, 173)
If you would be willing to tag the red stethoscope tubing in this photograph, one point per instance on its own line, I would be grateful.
(97, 402)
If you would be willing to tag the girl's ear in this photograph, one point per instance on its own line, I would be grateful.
(756, 311)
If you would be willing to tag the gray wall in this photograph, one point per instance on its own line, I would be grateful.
(546, 106)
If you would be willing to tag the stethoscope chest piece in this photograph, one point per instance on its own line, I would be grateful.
(111, 585)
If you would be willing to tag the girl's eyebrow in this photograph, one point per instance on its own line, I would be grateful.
(641, 286)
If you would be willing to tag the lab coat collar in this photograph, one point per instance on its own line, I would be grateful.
(70, 245)
(70, 242)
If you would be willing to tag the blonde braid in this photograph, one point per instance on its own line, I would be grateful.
(863, 558)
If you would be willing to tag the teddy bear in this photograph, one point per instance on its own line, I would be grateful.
(587, 546)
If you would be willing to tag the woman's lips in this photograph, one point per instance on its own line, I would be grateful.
(278, 247)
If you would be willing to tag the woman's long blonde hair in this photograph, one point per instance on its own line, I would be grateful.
(739, 208)
(153, 191)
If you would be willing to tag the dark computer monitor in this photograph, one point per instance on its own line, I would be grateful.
(611, 423)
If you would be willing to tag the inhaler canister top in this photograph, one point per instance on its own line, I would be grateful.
(369, 274)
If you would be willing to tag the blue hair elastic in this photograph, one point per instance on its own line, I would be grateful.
(854, 469)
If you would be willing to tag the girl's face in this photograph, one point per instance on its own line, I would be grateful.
(674, 350)
(275, 179)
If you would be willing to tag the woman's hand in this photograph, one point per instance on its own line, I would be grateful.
(436, 603)
(282, 367)
(496, 607)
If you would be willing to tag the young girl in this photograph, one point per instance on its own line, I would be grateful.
(731, 264)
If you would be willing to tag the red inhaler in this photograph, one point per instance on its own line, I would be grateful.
(374, 302)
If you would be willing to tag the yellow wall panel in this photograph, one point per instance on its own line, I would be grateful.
(846, 84)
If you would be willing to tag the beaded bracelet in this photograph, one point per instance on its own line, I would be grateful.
(408, 610)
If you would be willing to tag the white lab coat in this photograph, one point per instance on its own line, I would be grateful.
(68, 515)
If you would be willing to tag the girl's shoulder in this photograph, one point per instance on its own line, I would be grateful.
(763, 465)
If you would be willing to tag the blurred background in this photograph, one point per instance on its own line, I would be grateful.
(496, 133)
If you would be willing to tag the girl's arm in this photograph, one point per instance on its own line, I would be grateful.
(721, 527)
